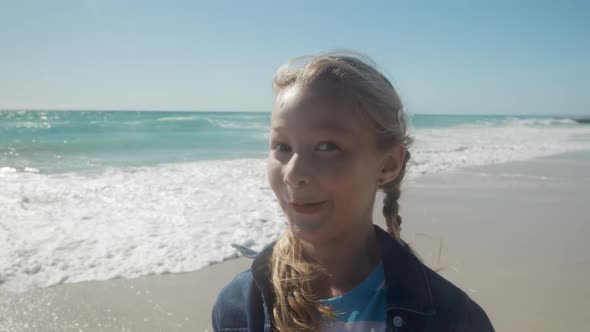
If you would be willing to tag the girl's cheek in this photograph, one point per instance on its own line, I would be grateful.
(274, 172)
(332, 166)
(273, 164)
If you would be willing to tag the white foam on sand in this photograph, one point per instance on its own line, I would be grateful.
(487, 143)
(129, 222)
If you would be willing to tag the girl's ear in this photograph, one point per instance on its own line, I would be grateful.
(391, 164)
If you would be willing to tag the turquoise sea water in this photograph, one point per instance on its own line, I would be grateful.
(57, 141)
(70, 140)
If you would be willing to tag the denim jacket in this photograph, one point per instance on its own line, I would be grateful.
(418, 299)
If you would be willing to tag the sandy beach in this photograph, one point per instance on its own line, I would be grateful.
(514, 236)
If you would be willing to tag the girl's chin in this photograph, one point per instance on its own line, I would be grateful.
(312, 232)
(305, 226)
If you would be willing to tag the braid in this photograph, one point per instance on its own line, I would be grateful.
(297, 306)
(392, 192)
(391, 211)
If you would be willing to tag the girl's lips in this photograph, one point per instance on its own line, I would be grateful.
(307, 208)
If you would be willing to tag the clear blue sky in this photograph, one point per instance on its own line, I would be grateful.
(526, 58)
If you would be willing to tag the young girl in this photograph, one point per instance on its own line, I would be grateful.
(338, 135)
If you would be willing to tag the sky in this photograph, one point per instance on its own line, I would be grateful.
(471, 57)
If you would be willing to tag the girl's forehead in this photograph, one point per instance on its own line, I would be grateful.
(325, 93)
(317, 108)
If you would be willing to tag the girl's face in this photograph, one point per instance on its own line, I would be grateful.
(324, 166)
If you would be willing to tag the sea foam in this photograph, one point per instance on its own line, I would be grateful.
(131, 222)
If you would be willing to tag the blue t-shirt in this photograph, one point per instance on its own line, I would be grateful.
(362, 308)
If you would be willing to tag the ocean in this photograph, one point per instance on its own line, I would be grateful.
(90, 195)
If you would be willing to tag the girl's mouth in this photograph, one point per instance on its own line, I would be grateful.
(307, 208)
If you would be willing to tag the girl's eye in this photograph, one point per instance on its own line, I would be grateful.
(282, 147)
(328, 147)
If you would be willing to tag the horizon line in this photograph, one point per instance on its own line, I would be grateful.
(578, 116)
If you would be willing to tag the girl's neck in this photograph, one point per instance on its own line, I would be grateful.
(346, 261)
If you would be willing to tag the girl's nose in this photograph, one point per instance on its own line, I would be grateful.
(296, 173)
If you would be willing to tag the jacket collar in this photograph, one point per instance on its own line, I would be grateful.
(407, 284)
(261, 273)
(260, 268)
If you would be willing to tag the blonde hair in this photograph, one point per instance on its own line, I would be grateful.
(296, 307)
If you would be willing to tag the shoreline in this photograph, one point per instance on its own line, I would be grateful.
(512, 235)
